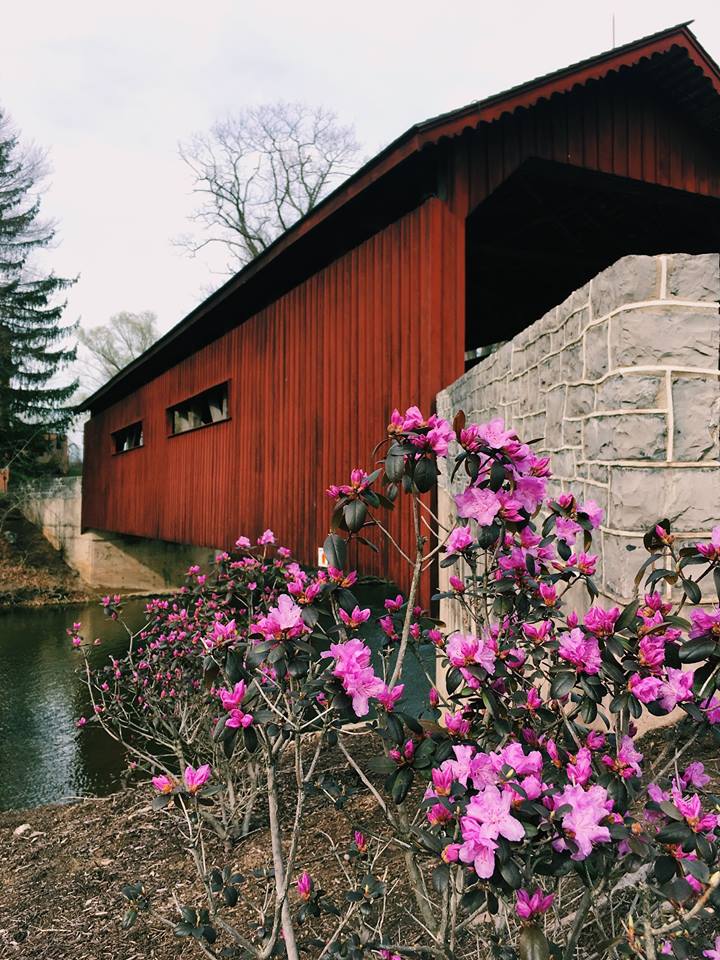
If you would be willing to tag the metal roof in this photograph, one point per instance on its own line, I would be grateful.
(672, 58)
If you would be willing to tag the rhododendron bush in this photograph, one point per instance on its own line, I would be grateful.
(518, 810)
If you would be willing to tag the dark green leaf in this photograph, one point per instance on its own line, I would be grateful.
(402, 784)
(335, 548)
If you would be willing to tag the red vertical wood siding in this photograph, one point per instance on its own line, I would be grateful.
(312, 379)
(611, 126)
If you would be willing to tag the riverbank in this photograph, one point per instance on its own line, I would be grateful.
(32, 572)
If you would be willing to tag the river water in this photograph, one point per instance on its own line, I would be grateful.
(44, 757)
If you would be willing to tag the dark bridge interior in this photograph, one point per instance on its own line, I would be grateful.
(550, 227)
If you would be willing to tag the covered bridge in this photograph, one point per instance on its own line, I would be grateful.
(284, 379)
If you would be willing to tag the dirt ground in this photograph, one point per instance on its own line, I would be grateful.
(32, 573)
(63, 868)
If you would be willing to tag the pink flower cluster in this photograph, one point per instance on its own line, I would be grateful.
(231, 700)
(194, 780)
(432, 435)
(352, 667)
(283, 621)
(493, 443)
(582, 810)
(359, 481)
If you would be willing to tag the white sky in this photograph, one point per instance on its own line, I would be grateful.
(109, 91)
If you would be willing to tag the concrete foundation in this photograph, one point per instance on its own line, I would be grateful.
(109, 561)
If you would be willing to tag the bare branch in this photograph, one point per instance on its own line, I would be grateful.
(259, 171)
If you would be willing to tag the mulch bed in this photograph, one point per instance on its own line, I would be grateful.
(62, 874)
(60, 886)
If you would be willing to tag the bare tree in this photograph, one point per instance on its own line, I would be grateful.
(259, 171)
(111, 346)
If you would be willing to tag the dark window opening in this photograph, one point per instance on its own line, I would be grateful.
(551, 227)
(202, 410)
(129, 438)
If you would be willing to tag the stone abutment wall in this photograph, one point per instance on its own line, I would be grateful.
(621, 383)
(107, 561)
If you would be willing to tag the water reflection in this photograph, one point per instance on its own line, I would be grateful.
(43, 756)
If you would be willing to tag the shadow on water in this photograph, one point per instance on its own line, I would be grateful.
(44, 757)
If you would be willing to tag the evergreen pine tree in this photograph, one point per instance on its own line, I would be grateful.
(33, 350)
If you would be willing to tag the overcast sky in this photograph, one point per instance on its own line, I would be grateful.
(109, 91)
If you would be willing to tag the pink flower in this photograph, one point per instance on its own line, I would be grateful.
(81, 722)
(284, 620)
(460, 538)
(510, 507)
(353, 620)
(352, 667)
(232, 699)
(488, 817)
(457, 725)
(266, 538)
(601, 622)
(567, 530)
(651, 652)
(548, 593)
(645, 689)
(360, 841)
(586, 563)
(451, 853)
(527, 906)
(534, 701)
(238, 718)
(163, 784)
(582, 823)
(413, 419)
(514, 756)
(195, 779)
(711, 706)
(627, 762)
(705, 624)
(442, 780)
(592, 511)
(691, 808)
(388, 698)
(711, 551)
(305, 886)
(530, 492)
(477, 849)
(480, 505)
(694, 776)
(579, 770)
(491, 809)
(494, 435)
(439, 437)
(581, 650)
(438, 814)
(677, 689)
(538, 633)
(465, 650)
(242, 543)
